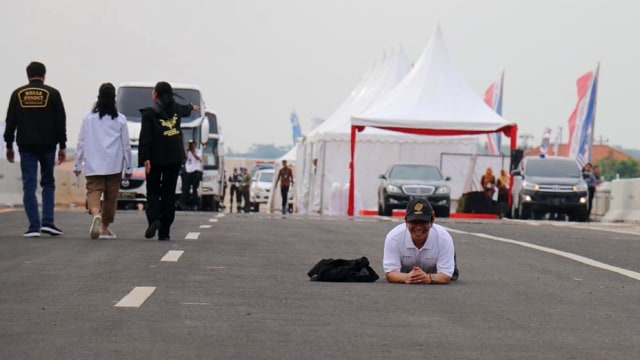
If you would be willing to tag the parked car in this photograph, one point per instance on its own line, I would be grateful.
(549, 186)
(403, 182)
(260, 188)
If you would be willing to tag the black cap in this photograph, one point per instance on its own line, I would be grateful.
(419, 209)
(163, 88)
(36, 69)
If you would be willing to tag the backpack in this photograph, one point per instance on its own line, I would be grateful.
(341, 270)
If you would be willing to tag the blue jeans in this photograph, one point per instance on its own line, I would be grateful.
(29, 166)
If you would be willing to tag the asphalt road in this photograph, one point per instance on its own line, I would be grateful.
(238, 289)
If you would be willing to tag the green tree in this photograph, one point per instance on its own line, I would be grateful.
(625, 169)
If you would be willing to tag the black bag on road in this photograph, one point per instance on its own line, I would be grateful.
(341, 270)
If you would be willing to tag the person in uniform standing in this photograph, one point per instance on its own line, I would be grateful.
(590, 179)
(234, 189)
(285, 178)
(161, 152)
(419, 251)
(245, 189)
(103, 151)
(36, 120)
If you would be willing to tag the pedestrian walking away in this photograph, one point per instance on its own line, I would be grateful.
(104, 152)
(285, 178)
(161, 152)
(36, 121)
(419, 251)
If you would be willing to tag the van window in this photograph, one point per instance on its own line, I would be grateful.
(213, 123)
(130, 100)
(211, 156)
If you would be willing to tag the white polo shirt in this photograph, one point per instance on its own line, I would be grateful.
(401, 254)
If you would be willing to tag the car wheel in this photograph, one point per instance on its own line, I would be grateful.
(578, 215)
(384, 209)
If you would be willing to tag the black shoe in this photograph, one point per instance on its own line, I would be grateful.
(32, 233)
(151, 230)
(164, 238)
(51, 230)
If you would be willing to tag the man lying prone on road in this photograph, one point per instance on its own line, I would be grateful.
(419, 251)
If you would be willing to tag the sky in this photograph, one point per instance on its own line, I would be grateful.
(256, 61)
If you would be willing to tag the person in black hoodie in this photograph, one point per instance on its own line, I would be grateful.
(161, 152)
(36, 120)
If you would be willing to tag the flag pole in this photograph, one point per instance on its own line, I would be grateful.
(595, 105)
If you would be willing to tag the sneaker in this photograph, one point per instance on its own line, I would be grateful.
(32, 233)
(51, 230)
(151, 230)
(107, 234)
(94, 230)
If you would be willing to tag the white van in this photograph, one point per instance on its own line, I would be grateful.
(213, 182)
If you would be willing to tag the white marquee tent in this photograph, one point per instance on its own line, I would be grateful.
(323, 188)
(433, 99)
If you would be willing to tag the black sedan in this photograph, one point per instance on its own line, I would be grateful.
(403, 182)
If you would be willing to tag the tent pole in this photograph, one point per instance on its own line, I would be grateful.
(513, 144)
(351, 167)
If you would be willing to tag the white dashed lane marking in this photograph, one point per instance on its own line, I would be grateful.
(213, 220)
(205, 226)
(192, 236)
(581, 259)
(172, 255)
(136, 297)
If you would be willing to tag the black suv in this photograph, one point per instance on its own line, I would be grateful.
(549, 185)
(403, 182)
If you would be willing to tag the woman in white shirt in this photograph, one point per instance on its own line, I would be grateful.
(103, 151)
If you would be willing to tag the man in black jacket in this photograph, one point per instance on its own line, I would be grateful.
(36, 120)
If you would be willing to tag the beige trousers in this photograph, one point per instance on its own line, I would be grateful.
(109, 186)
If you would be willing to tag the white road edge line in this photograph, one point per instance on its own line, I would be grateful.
(195, 303)
(172, 255)
(581, 259)
(136, 297)
(192, 236)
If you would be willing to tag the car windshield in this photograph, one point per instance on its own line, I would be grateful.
(415, 172)
(265, 176)
(552, 168)
(131, 99)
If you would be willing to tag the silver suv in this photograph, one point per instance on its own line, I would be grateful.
(549, 186)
